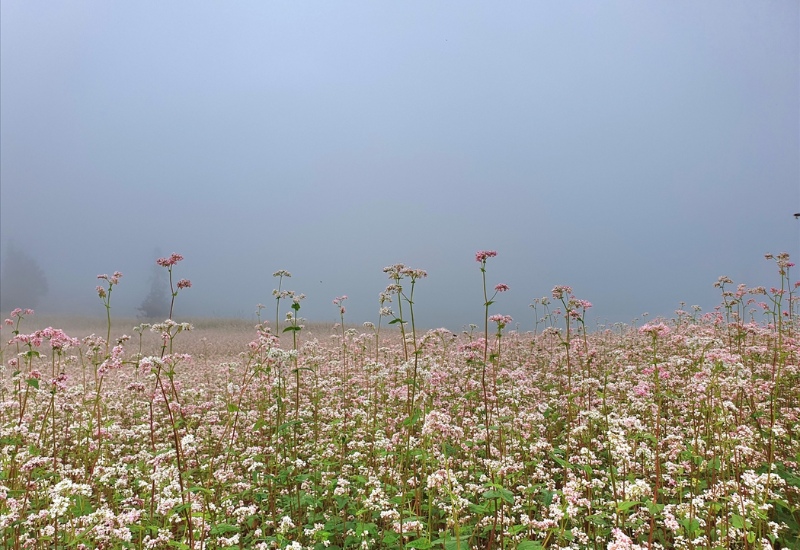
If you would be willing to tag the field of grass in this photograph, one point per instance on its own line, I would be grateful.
(682, 433)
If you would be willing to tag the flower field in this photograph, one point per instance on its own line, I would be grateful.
(682, 433)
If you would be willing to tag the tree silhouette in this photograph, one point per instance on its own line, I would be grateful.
(22, 282)
(156, 304)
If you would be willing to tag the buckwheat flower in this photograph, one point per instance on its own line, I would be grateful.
(621, 541)
(414, 273)
(172, 260)
(338, 302)
(184, 283)
(285, 524)
(393, 289)
(282, 273)
(501, 287)
(656, 329)
(100, 291)
(501, 320)
(394, 271)
(559, 291)
(482, 255)
(723, 280)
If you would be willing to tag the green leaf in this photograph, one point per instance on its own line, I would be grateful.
(627, 505)
(81, 506)
(224, 528)
(421, 544)
(690, 525)
(560, 461)
(477, 508)
(529, 545)
(33, 382)
(504, 494)
(737, 521)
(232, 408)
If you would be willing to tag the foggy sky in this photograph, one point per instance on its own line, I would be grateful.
(633, 150)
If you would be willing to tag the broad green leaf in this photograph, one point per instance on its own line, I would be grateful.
(224, 528)
(627, 505)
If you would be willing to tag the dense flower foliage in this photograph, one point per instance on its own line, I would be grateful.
(680, 434)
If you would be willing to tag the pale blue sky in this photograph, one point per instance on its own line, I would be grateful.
(633, 150)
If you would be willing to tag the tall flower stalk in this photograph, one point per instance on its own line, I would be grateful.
(481, 257)
(166, 365)
(279, 293)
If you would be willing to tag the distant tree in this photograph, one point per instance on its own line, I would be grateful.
(22, 281)
(156, 304)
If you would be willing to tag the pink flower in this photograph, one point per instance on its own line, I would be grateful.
(656, 329)
(184, 283)
(501, 320)
(414, 273)
(19, 312)
(112, 279)
(560, 290)
(172, 260)
(501, 287)
(482, 255)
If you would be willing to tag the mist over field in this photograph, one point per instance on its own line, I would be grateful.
(634, 151)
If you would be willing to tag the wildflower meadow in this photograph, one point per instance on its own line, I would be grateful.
(681, 433)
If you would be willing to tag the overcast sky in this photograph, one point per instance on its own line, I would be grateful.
(633, 150)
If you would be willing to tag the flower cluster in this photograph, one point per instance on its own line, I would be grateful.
(173, 259)
(501, 320)
(482, 255)
(111, 280)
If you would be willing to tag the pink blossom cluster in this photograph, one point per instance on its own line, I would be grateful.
(19, 312)
(501, 320)
(338, 301)
(655, 329)
(57, 338)
(112, 279)
(173, 259)
(560, 290)
(482, 255)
